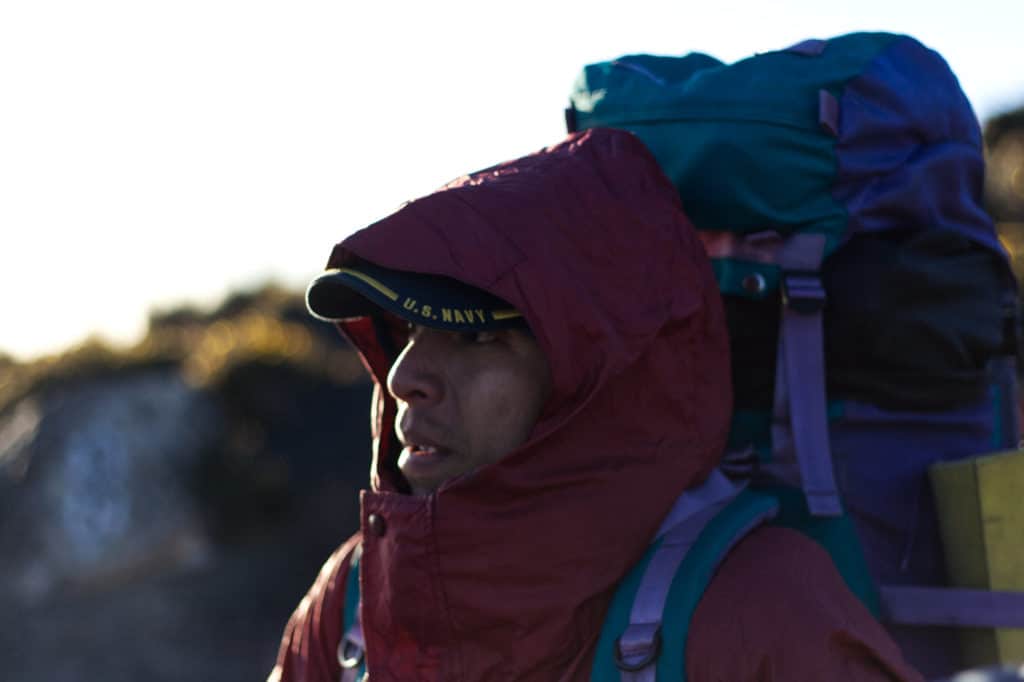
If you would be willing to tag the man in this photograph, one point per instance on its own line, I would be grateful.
(552, 371)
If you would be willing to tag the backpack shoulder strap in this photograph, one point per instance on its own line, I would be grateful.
(352, 648)
(657, 598)
(836, 535)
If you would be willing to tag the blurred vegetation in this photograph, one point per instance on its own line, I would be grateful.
(1004, 182)
(268, 325)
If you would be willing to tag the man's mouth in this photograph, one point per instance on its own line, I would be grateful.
(426, 451)
(424, 466)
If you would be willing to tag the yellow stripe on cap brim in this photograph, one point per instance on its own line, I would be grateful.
(505, 314)
(379, 286)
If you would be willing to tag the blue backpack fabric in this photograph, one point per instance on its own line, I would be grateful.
(837, 186)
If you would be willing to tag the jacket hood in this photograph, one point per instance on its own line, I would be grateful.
(508, 570)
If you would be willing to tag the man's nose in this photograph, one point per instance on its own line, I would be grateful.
(415, 377)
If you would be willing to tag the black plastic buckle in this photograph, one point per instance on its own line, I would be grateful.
(802, 291)
(570, 119)
(649, 657)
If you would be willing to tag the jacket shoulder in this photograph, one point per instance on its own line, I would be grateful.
(308, 651)
(777, 609)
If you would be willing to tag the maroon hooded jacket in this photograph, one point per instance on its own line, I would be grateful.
(505, 573)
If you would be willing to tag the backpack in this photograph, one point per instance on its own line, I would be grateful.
(836, 185)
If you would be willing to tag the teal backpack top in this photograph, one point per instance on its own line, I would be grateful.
(787, 140)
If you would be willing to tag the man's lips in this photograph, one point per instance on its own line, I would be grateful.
(422, 446)
(424, 459)
(417, 450)
(420, 443)
(424, 465)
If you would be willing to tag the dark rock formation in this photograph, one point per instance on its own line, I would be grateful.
(95, 486)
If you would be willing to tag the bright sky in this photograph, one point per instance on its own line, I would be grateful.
(153, 153)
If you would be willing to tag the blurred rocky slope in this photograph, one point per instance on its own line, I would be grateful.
(163, 508)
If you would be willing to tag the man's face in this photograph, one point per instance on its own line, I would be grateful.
(465, 399)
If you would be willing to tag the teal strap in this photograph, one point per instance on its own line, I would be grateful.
(638, 646)
(351, 648)
(1006, 427)
(745, 512)
(352, 591)
(617, 620)
(837, 535)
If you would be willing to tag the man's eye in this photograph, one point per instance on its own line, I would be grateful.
(476, 337)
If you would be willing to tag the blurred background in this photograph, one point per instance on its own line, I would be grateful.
(180, 445)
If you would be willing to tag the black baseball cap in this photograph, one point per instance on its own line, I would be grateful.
(363, 289)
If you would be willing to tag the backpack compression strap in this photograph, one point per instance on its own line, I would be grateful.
(800, 419)
(801, 455)
(951, 606)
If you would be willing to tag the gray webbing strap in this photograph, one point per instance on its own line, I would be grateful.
(800, 411)
(638, 646)
(951, 606)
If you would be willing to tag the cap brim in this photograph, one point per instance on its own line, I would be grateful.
(429, 300)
